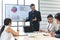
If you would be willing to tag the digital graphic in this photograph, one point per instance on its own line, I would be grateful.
(17, 12)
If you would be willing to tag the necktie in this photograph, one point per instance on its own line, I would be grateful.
(48, 27)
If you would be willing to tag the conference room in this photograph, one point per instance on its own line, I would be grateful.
(29, 19)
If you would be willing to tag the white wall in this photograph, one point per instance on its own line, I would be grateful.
(48, 7)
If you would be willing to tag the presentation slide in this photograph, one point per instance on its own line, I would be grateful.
(17, 12)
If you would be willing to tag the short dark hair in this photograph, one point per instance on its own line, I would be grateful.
(50, 15)
(32, 5)
(57, 16)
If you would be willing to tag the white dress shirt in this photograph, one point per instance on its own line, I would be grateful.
(51, 27)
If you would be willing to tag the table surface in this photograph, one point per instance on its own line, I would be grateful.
(36, 36)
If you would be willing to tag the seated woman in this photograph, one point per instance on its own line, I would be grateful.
(6, 31)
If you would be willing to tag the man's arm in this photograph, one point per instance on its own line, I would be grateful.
(28, 19)
(39, 16)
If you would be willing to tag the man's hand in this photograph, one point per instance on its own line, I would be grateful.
(52, 34)
(41, 31)
(35, 19)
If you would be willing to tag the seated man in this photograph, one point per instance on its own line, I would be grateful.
(57, 32)
(51, 25)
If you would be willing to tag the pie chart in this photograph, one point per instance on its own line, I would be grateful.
(13, 9)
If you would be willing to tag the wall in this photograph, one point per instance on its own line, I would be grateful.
(48, 7)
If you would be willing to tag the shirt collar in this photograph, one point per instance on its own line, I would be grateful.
(33, 11)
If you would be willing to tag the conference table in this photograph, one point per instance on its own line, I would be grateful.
(36, 36)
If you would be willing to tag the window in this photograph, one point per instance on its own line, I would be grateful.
(20, 2)
(28, 2)
(8, 2)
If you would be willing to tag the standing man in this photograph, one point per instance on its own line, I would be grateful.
(34, 18)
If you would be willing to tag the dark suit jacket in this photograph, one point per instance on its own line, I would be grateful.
(32, 15)
(58, 33)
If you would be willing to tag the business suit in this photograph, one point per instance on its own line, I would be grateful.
(34, 24)
(58, 33)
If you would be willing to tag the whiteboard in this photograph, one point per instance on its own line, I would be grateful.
(17, 12)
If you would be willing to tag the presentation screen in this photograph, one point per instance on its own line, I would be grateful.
(17, 12)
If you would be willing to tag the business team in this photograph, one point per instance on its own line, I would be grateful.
(7, 32)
